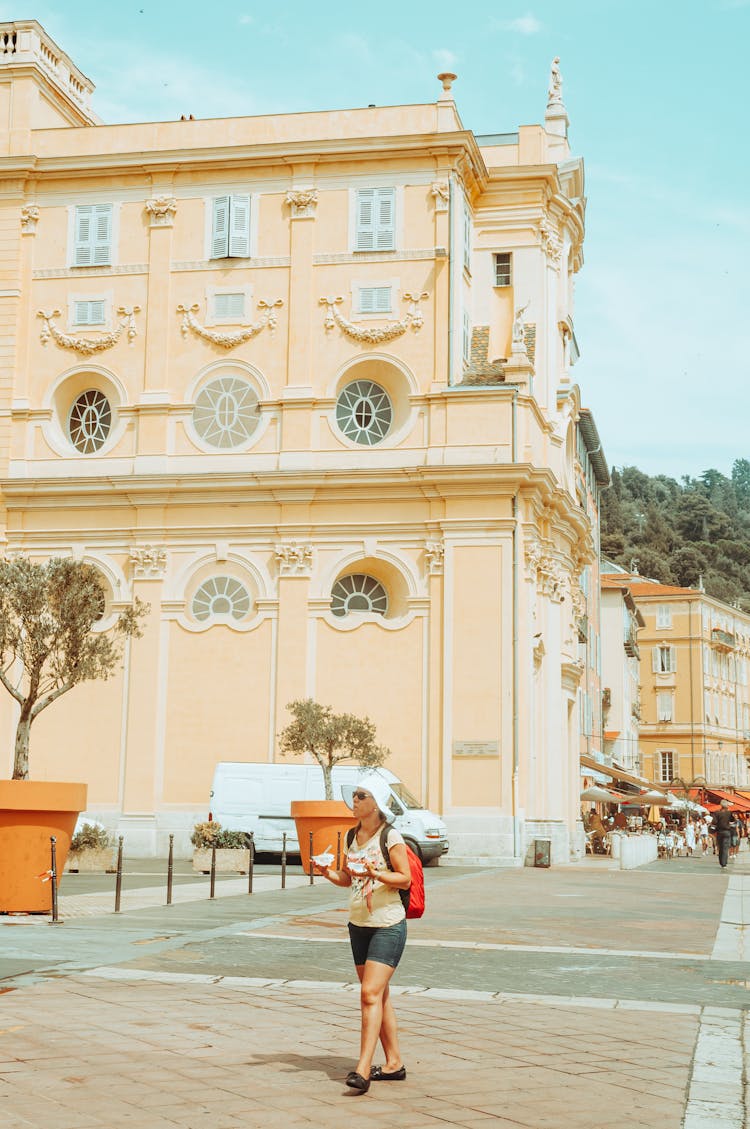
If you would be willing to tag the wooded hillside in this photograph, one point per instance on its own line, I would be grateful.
(677, 532)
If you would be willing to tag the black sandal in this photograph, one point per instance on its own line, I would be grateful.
(357, 1082)
(377, 1074)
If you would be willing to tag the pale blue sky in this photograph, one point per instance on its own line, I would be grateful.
(654, 92)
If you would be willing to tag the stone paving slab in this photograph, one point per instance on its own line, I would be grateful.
(159, 1055)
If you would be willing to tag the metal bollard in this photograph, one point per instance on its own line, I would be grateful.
(118, 880)
(311, 859)
(251, 863)
(170, 870)
(283, 861)
(213, 871)
(53, 879)
(338, 850)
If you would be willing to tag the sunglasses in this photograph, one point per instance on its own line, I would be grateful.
(361, 796)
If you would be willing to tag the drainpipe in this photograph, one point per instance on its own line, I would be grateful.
(516, 546)
(451, 300)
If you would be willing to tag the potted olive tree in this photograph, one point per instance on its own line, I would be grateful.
(232, 853)
(47, 646)
(331, 738)
(92, 850)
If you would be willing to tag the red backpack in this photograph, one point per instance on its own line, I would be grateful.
(413, 898)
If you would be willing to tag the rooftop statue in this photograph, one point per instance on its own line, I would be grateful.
(554, 94)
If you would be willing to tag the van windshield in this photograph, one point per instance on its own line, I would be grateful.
(405, 795)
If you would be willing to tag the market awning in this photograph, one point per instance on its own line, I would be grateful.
(613, 773)
(735, 799)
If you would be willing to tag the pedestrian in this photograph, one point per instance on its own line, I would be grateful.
(721, 828)
(377, 924)
(703, 832)
(690, 836)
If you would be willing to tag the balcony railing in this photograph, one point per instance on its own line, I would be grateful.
(722, 639)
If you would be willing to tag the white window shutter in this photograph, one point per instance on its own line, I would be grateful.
(375, 299)
(89, 313)
(467, 237)
(229, 306)
(655, 660)
(365, 220)
(220, 228)
(84, 222)
(102, 234)
(239, 227)
(386, 219)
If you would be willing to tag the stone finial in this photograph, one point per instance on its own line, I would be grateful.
(556, 116)
(554, 93)
(447, 78)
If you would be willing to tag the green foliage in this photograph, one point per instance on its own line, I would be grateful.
(47, 642)
(91, 836)
(682, 533)
(330, 738)
(212, 834)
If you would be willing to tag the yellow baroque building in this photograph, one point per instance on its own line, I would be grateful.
(302, 382)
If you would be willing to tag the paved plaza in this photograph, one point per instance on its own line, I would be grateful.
(572, 998)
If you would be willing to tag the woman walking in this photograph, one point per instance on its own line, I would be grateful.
(377, 924)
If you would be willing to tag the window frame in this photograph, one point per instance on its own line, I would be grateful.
(73, 230)
(664, 706)
(496, 255)
(213, 292)
(235, 201)
(663, 615)
(663, 762)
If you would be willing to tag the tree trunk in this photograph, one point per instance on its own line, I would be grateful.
(21, 761)
(327, 780)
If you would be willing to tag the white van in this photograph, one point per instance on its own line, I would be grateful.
(257, 797)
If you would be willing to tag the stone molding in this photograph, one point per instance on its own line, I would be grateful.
(87, 346)
(161, 210)
(546, 570)
(149, 562)
(294, 559)
(229, 340)
(412, 319)
(302, 202)
(29, 219)
(435, 556)
(552, 243)
(440, 190)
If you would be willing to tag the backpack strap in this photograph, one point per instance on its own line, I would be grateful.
(384, 846)
(350, 835)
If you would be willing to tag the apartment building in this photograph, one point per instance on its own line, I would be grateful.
(694, 692)
(621, 703)
(302, 382)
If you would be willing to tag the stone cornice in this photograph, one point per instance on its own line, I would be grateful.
(447, 146)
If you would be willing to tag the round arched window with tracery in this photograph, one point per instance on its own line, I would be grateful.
(90, 421)
(358, 593)
(226, 412)
(364, 412)
(221, 597)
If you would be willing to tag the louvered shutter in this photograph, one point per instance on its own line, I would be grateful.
(239, 227)
(365, 234)
(386, 219)
(229, 306)
(655, 659)
(84, 226)
(375, 300)
(467, 238)
(220, 228)
(89, 313)
(102, 234)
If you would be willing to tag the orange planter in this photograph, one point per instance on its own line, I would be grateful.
(325, 818)
(31, 811)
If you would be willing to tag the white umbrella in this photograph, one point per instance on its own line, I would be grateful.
(653, 796)
(599, 795)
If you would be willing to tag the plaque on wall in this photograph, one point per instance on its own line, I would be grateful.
(476, 749)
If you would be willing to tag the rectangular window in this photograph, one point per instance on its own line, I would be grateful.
(89, 313)
(664, 705)
(663, 660)
(374, 300)
(503, 275)
(468, 237)
(466, 340)
(664, 615)
(229, 307)
(375, 219)
(666, 767)
(230, 227)
(93, 235)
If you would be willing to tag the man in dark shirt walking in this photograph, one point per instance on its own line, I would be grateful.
(723, 822)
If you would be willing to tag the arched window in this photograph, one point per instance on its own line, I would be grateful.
(358, 593)
(364, 412)
(89, 421)
(226, 412)
(221, 597)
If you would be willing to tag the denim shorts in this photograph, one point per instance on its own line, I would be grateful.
(383, 945)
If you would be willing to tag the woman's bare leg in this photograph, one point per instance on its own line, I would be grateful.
(388, 1029)
(374, 983)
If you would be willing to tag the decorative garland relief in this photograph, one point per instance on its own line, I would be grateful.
(229, 340)
(413, 318)
(88, 345)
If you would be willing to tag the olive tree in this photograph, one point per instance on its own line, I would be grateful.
(47, 645)
(330, 738)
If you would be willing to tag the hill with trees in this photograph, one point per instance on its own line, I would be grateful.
(682, 532)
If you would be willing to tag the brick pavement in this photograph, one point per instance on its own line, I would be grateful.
(103, 1032)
